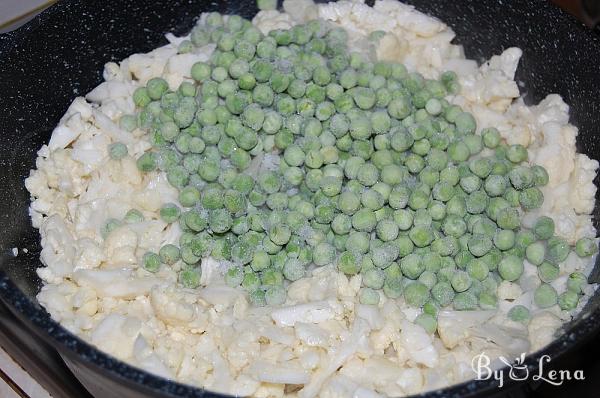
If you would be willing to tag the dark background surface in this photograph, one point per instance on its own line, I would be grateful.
(46, 365)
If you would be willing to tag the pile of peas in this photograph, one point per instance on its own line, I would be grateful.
(378, 174)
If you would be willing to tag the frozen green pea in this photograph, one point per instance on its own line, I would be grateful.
(479, 245)
(568, 300)
(418, 199)
(557, 250)
(458, 151)
(461, 281)
(151, 262)
(212, 198)
(474, 143)
(190, 277)
(535, 253)
(545, 296)
(156, 87)
(443, 293)
(257, 298)
(544, 228)
(260, 261)
(141, 97)
(234, 276)
(477, 269)
(383, 256)
(251, 281)
(280, 234)
(495, 206)
(272, 276)
(540, 175)
(445, 246)
(387, 230)
(586, 247)
(324, 253)
(521, 177)
(169, 254)
(195, 220)
(488, 301)
(187, 254)
(348, 263)
(481, 167)
(416, 294)
(510, 268)
(421, 235)
(548, 272)
(189, 196)
(242, 252)
(491, 137)
(128, 122)
(519, 313)
(364, 220)
(147, 162)
(133, 216)
(293, 269)
(508, 218)
(348, 202)
(465, 301)
(476, 202)
(178, 176)
(454, 226)
(269, 247)
(373, 278)
(368, 296)
(516, 153)
(393, 286)
(504, 239)
(117, 150)
(201, 71)
(412, 266)
(275, 295)
(576, 282)
(427, 322)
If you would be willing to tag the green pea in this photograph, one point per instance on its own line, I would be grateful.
(348, 263)
(151, 262)
(416, 294)
(545, 296)
(568, 300)
(576, 282)
(519, 313)
(510, 268)
(190, 277)
(586, 247)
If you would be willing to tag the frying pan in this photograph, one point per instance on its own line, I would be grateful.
(60, 54)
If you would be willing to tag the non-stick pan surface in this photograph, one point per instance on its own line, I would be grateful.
(60, 55)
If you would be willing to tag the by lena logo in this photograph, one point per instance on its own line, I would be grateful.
(518, 371)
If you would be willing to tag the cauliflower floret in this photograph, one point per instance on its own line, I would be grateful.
(116, 335)
(408, 18)
(269, 20)
(143, 67)
(175, 307)
(494, 86)
(58, 246)
(179, 66)
(582, 190)
(542, 329)
(418, 344)
(120, 246)
(557, 152)
(89, 254)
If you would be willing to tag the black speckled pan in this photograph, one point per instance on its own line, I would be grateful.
(60, 55)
